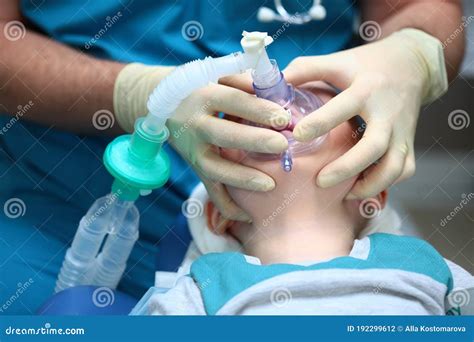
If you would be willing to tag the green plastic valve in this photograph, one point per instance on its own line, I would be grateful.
(137, 162)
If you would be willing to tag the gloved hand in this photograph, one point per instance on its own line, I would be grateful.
(133, 86)
(196, 132)
(385, 82)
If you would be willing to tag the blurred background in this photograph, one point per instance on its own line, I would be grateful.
(444, 182)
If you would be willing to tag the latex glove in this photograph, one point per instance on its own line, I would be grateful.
(196, 132)
(133, 86)
(384, 82)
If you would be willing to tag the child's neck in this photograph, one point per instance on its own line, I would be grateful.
(298, 236)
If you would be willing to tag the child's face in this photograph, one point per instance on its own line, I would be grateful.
(299, 184)
(296, 196)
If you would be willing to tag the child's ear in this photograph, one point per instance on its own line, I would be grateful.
(382, 198)
(215, 221)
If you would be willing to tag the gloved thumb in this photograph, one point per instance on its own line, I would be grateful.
(328, 68)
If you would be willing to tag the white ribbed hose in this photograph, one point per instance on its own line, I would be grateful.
(183, 81)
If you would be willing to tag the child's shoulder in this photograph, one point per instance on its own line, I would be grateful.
(411, 254)
(384, 245)
(401, 242)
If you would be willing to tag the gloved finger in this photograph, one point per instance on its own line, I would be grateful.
(382, 175)
(241, 81)
(330, 68)
(410, 163)
(368, 150)
(340, 108)
(229, 134)
(215, 168)
(246, 106)
(222, 200)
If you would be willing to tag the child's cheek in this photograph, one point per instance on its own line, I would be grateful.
(244, 199)
(339, 191)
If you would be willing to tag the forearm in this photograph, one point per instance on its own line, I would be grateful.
(439, 18)
(66, 86)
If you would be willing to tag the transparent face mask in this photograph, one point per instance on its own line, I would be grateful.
(302, 103)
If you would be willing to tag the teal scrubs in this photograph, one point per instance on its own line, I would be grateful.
(57, 175)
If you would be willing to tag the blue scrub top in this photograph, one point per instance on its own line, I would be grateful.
(58, 174)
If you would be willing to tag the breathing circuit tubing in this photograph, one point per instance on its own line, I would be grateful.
(137, 162)
(138, 165)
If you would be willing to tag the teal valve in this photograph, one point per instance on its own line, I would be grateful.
(137, 162)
